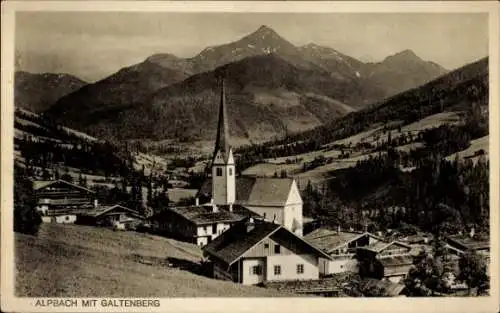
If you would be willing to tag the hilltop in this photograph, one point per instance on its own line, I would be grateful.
(37, 92)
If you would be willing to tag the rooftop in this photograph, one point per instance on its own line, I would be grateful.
(257, 190)
(203, 214)
(397, 260)
(102, 209)
(328, 239)
(381, 245)
(470, 243)
(233, 243)
(40, 184)
(237, 240)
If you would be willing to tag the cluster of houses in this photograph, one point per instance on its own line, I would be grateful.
(251, 229)
(60, 201)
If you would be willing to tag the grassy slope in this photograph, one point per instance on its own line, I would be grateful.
(372, 136)
(71, 260)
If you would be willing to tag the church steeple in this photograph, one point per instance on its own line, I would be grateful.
(223, 168)
(222, 139)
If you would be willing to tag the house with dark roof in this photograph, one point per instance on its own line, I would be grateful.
(389, 261)
(341, 246)
(275, 199)
(258, 251)
(61, 201)
(199, 224)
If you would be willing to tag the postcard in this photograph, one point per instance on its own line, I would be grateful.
(250, 156)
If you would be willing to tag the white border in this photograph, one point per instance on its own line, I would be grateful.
(486, 304)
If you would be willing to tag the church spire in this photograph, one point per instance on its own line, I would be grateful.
(222, 139)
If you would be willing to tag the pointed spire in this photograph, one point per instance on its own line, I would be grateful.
(222, 139)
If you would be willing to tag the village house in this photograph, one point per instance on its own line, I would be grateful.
(60, 201)
(341, 246)
(199, 224)
(115, 216)
(458, 245)
(388, 261)
(276, 200)
(258, 251)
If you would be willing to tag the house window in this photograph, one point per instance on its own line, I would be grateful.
(277, 270)
(256, 270)
(214, 228)
(218, 171)
(230, 171)
(266, 246)
(264, 215)
(277, 249)
(300, 268)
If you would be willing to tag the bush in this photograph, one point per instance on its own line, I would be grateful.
(26, 219)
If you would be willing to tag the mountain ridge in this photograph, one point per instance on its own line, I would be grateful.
(38, 91)
(325, 84)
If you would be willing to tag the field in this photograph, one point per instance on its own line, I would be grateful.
(469, 153)
(375, 135)
(84, 261)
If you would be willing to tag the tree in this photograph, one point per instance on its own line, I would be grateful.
(472, 271)
(427, 277)
(26, 219)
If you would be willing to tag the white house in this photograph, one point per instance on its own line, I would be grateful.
(257, 252)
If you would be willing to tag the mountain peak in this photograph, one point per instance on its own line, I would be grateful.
(264, 32)
(265, 28)
(405, 55)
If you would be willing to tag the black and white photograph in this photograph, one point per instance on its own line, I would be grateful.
(249, 154)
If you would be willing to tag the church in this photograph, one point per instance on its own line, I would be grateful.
(275, 200)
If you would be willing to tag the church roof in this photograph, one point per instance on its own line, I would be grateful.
(258, 191)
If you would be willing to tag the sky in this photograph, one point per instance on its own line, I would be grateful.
(93, 45)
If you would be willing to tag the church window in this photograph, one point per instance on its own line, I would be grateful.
(218, 171)
(230, 171)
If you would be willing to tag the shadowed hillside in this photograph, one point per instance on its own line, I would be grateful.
(38, 92)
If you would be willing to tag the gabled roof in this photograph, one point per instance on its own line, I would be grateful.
(232, 244)
(40, 184)
(257, 191)
(329, 240)
(380, 246)
(203, 214)
(101, 210)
